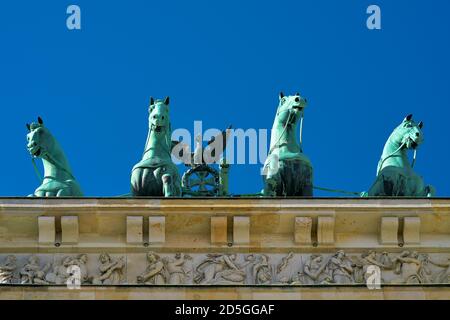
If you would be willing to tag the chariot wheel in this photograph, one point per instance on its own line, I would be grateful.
(201, 181)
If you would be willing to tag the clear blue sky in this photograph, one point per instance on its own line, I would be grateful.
(223, 62)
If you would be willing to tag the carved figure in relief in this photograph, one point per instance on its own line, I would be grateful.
(284, 262)
(220, 269)
(361, 264)
(412, 268)
(282, 266)
(314, 271)
(32, 273)
(175, 268)
(59, 274)
(425, 272)
(155, 273)
(386, 260)
(444, 275)
(81, 261)
(7, 269)
(407, 267)
(340, 268)
(111, 271)
(261, 269)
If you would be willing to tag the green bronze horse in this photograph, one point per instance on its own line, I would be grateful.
(156, 174)
(395, 175)
(287, 171)
(58, 179)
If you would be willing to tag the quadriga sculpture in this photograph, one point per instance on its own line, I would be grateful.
(156, 174)
(58, 179)
(287, 171)
(395, 175)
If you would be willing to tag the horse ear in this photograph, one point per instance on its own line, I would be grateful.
(152, 101)
(28, 127)
(408, 117)
(420, 124)
(281, 95)
(297, 94)
(40, 121)
(166, 101)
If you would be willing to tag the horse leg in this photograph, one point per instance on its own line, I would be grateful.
(168, 187)
(50, 194)
(75, 190)
(271, 176)
(133, 183)
(430, 191)
(144, 177)
(137, 182)
(64, 193)
(39, 193)
(307, 191)
(423, 190)
(270, 187)
(377, 189)
(307, 176)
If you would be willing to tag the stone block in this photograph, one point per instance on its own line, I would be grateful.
(302, 230)
(219, 230)
(389, 230)
(157, 229)
(47, 231)
(411, 230)
(325, 230)
(135, 227)
(69, 229)
(241, 230)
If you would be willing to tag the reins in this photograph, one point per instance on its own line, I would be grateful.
(36, 170)
(301, 131)
(337, 191)
(380, 163)
(52, 160)
(393, 154)
(414, 158)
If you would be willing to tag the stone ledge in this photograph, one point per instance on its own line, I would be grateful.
(102, 223)
(223, 293)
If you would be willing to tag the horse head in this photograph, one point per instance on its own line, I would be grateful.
(159, 122)
(40, 140)
(290, 109)
(408, 133)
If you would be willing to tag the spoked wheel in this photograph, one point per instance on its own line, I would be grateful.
(201, 180)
